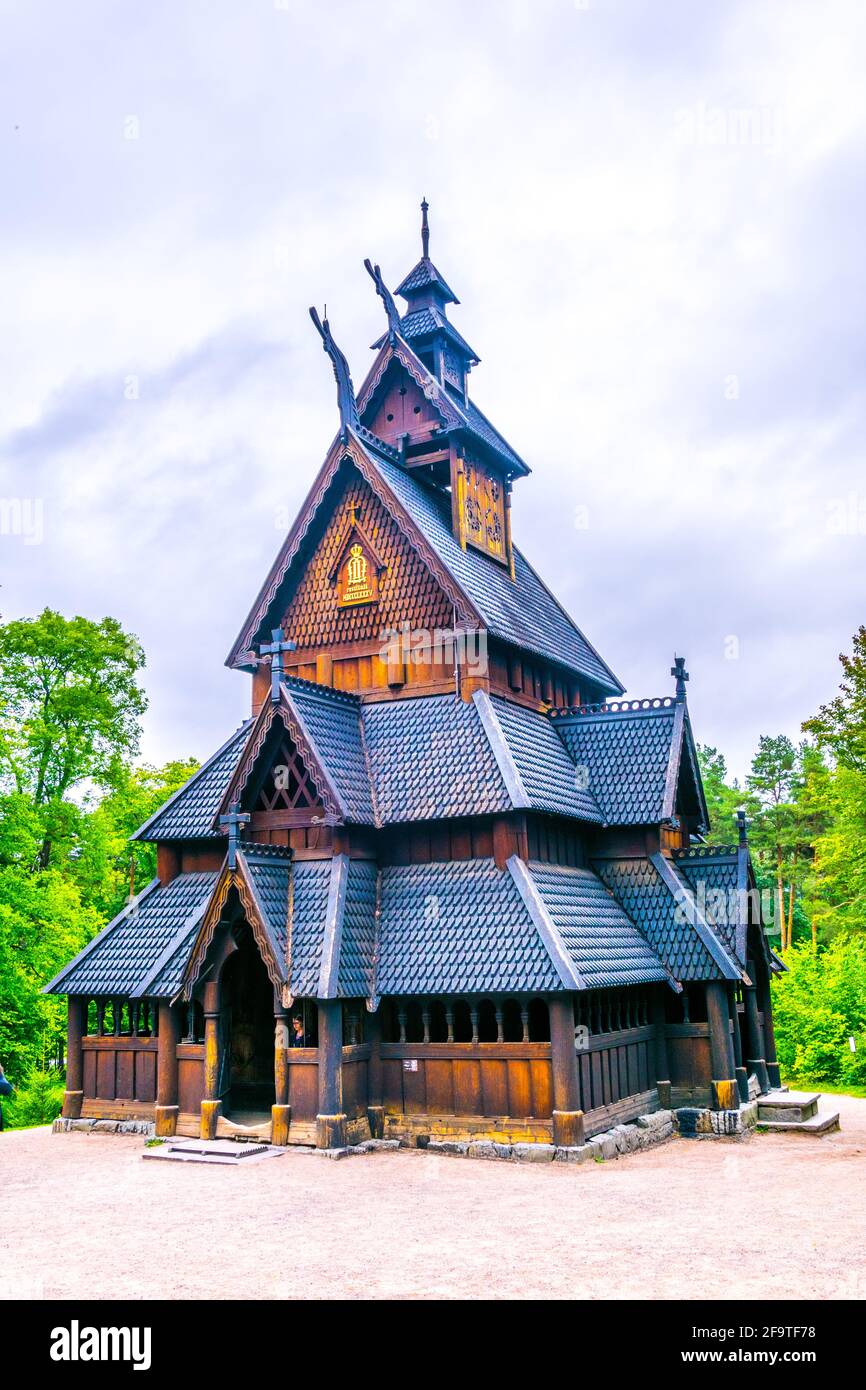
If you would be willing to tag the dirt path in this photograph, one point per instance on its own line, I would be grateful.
(781, 1215)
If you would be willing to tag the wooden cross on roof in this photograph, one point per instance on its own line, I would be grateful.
(741, 826)
(233, 822)
(679, 670)
(274, 649)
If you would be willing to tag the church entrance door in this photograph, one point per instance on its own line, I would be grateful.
(248, 1021)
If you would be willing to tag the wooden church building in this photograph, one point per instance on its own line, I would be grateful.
(444, 880)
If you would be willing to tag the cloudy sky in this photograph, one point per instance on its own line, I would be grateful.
(652, 214)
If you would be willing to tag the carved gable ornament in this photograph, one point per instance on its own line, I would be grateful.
(481, 510)
(356, 574)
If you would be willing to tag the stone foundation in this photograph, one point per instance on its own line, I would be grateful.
(145, 1127)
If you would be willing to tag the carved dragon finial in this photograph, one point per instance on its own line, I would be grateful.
(387, 299)
(346, 402)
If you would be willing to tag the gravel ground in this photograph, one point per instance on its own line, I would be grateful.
(777, 1216)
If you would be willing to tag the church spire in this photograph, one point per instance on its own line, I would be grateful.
(426, 325)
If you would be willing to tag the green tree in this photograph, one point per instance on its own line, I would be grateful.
(840, 726)
(70, 706)
(771, 782)
(723, 799)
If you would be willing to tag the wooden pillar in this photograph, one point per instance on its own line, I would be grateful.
(375, 1107)
(739, 1070)
(76, 1022)
(663, 1068)
(723, 1086)
(281, 1111)
(331, 1119)
(567, 1114)
(168, 1037)
(211, 1105)
(765, 1000)
(756, 1062)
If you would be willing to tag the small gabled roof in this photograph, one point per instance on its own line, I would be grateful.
(189, 813)
(420, 277)
(323, 724)
(723, 881)
(634, 754)
(455, 411)
(139, 941)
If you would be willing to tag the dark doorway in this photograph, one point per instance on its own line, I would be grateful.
(248, 1012)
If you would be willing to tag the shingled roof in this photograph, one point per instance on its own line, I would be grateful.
(604, 943)
(662, 904)
(141, 940)
(190, 812)
(632, 754)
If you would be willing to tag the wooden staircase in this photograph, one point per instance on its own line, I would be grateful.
(796, 1111)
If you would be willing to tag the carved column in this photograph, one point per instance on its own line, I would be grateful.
(755, 1061)
(331, 1119)
(281, 1111)
(211, 1105)
(660, 1042)
(739, 1070)
(168, 1037)
(375, 1106)
(567, 1114)
(765, 1001)
(723, 1086)
(73, 1096)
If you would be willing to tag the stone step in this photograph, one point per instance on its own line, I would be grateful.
(822, 1122)
(785, 1107)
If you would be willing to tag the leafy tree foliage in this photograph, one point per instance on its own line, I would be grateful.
(70, 796)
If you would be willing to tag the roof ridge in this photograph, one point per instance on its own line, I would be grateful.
(325, 692)
(495, 734)
(651, 705)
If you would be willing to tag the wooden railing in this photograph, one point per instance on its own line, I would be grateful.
(120, 1069)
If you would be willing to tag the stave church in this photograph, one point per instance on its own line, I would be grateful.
(445, 880)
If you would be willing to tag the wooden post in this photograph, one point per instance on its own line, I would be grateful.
(567, 1114)
(331, 1119)
(723, 1086)
(766, 1003)
(755, 1061)
(211, 1105)
(281, 1111)
(375, 1107)
(663, 1069)
(168, 1037)
(73, 1096)
(739, 1070)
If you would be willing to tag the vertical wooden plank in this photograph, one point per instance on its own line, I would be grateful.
(494, 1087)
(519, 1086)
(467, 1088)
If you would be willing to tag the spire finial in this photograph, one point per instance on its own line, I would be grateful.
(679, 670)
(425, 229)
(741, 825)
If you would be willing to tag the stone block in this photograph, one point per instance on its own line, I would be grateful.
(579, 1153)
(447, 1146)
(481, 1148)
(603, 1145)
(533, 1153)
